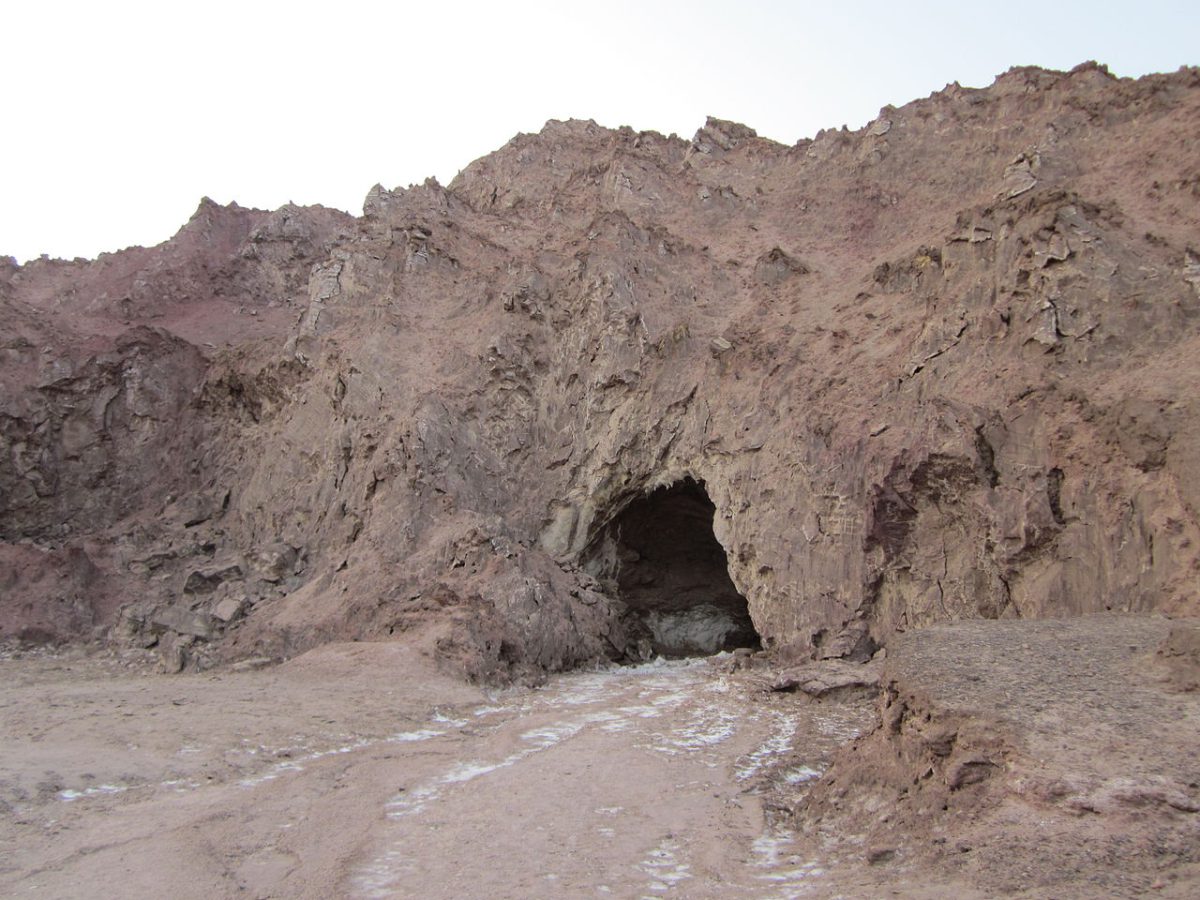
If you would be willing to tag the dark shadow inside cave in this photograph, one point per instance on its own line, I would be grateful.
(664, 562)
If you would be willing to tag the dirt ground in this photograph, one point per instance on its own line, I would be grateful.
(358, 771)
(1050, 758)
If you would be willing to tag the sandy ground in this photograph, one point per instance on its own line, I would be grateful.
(355, 771)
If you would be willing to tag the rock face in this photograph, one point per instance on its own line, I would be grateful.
(943, 367)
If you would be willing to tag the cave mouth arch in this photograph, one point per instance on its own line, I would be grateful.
(662, 559)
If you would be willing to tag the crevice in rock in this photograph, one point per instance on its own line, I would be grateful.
(987, 457)
(660, 557)
(1054, 480)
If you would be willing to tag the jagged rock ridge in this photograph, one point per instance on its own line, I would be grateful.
(941, 367)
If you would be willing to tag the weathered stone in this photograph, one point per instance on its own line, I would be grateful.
(274, 562)
(229, 609)
(182, 620)
(252, 664)
(721, 345)
(827, 677)
(880, 127)
(194, 509)
(1019, 177)
(205, 581)
(443, 408)
(173, 656)
(1179, 656)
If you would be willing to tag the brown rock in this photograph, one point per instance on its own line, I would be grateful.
(830, 676)
(274, 562)
(229, 609)
(205, 581)
(1179, 656)
(182, 620)
(450, 413)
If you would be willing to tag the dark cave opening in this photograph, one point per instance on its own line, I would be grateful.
(664, 561)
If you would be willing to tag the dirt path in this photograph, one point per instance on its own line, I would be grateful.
(354, 772)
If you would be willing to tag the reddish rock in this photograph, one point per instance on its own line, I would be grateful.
(943, 367)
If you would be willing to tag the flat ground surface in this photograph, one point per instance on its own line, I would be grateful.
(356, 771)
(353, 771)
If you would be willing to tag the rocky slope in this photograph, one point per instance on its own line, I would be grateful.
(943, 367)
(1027, 759)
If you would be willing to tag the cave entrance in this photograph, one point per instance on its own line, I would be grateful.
(673, 576)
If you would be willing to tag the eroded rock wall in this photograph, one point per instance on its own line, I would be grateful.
(941, 367)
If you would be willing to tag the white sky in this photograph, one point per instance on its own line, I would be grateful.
(120, 115)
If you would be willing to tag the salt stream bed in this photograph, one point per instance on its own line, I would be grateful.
(678, 708)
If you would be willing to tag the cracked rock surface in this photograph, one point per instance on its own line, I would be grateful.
(940, 368)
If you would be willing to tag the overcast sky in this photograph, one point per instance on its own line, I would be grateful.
(121, 115)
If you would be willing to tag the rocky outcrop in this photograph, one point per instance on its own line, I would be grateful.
(938, 368)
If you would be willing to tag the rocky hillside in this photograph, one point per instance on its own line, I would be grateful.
(612, 393)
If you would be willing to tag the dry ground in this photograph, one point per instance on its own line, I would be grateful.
(356, 770)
